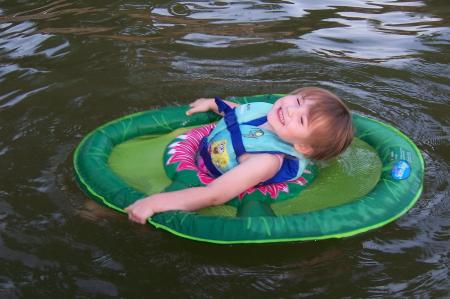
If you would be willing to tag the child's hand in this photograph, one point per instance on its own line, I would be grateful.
(200, 105)
(140, 210)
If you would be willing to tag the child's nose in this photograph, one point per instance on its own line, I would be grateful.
(290, 111)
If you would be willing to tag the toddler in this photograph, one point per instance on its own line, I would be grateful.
(258, 143)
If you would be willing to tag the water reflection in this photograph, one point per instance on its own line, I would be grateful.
(349, 29)
(22, 40)
(19, 41)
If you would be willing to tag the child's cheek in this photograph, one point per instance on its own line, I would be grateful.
(270, 117)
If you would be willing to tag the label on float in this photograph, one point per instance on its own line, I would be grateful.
(401, 170)
(400, 163)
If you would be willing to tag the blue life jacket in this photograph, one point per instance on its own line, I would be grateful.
(238, 133)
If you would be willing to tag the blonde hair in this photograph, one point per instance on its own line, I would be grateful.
(331, 121)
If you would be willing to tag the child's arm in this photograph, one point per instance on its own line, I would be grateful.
(250, 172)
(206, 104)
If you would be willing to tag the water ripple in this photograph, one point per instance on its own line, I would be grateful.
(20, 40)
(51, 11)
(96, 287)
(16, 96)
(348, 29)
(351, 29)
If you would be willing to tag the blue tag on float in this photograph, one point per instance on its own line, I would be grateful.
(401, 170)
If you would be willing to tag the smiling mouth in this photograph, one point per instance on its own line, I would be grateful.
(281, 116)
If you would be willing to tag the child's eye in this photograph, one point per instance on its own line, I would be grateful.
(298, 102)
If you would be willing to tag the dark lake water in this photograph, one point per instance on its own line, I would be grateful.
(67, 67)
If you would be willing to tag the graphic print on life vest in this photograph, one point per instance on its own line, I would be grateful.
(219, 154)
(254, 133)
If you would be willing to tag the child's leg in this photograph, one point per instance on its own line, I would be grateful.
(93, 211)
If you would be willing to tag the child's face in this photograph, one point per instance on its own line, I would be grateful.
(289, 119)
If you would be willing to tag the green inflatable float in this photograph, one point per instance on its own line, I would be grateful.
(374, 182)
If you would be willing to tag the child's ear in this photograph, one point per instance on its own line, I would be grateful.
(304, 149)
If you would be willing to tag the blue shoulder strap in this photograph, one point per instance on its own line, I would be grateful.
(222, 106)
(256, 122)
(232, 126)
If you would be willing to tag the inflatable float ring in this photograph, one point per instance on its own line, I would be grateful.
(397, 187)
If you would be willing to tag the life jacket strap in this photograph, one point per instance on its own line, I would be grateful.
(256, 122)
(222, 106)
(232, 126)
